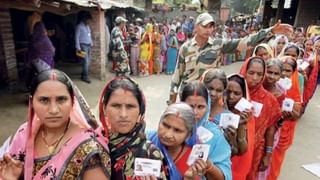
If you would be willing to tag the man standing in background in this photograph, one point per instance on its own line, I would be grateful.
(84, 43)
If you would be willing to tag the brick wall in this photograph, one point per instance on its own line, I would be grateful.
(98, 61)
(8, 65)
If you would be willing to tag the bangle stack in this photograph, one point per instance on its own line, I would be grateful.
(269, 149)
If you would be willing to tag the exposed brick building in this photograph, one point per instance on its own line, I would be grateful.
(13, 55)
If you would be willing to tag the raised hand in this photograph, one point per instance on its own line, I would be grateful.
(281, 28)
(10, 168)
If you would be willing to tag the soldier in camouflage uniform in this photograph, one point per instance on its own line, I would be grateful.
(203, 52)
(119, 54)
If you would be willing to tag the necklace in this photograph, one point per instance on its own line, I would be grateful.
(52, 146)
(179, 154)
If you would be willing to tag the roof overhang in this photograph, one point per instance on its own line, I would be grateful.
(63, 7)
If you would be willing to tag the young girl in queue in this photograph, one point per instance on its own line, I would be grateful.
(216, 82)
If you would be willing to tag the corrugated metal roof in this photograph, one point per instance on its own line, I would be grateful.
(104, 4)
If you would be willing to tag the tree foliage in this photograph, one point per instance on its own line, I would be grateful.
(244, 6)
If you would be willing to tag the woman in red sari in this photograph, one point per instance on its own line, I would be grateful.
(288, 128)
(312, 72)
(273, 74)
(254, 72)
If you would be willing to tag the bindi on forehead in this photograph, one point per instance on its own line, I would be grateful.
(195, 93)
(178, 114)
(53, 76)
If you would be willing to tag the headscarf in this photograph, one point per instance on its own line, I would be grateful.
(78, 115)
(311, 85)
(294, 91)
(124, 147)
(275, 43)
(183, 111)
(241, 164)
(265, 46)
(269, 115)
(149, 29)
(243, 71)
(149, 35)
(40, 45)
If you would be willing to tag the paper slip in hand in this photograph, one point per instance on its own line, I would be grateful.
(299, 61)
(199, 151)
(304, 65)
(285, 83)
(229, 119)
(147, 167)
(287, 104)
(5, 148)
(313, 168)
(204, 134)
(243, 104)
(257, 107)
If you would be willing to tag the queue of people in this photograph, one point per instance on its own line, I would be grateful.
(61, 139)
(146, 47)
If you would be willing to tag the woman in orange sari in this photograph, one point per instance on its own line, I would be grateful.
(254, 72)
(288, 127)
(312, 73)
(273, 75)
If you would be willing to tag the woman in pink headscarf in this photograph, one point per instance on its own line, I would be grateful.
(57, 141)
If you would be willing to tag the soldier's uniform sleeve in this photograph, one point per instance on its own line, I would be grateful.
(231, 46)
(179, 71)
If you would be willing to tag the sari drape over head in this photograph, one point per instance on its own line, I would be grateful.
(40, 46)
(286, 131)
(58, 165)
(311, 85)
(124, 148)
(265, 46)
(241, 164)
(269, 115)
